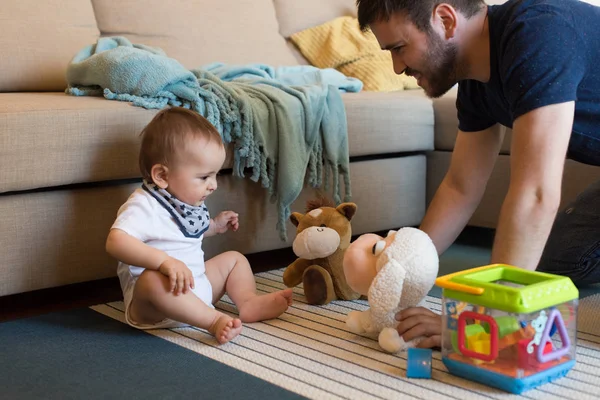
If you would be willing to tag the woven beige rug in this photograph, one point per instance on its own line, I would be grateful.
(309, 351)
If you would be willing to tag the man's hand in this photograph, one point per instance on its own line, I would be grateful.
(225, 221)
(180, 276)
(419, 321)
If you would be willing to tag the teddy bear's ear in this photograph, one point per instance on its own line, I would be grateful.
(347, 210)
(295, 218)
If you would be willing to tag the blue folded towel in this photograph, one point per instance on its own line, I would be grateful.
(286, 124)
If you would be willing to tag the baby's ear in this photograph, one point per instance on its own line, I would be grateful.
(347, 210)
(160, 175)
(295, 218)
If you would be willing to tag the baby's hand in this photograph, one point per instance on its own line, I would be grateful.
(179, 275)
(225, 221)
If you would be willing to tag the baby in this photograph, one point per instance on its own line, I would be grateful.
(157, 236)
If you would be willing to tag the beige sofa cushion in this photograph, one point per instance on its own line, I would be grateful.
(297, 15)
(384, 123)
(39, 38)
(199, 32)
(50, 139)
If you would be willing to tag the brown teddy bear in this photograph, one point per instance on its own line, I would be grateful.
(323, 234)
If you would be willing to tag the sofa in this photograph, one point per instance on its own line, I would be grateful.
(68, 163)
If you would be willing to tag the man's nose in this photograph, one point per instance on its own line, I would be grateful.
(399, 66)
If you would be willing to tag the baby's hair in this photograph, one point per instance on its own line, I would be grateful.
(166, 135)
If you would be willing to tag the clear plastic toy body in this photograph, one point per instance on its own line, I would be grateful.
(507, 327)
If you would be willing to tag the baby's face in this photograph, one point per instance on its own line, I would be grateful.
(194, 177)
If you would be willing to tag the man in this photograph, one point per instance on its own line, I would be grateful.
(534, 66)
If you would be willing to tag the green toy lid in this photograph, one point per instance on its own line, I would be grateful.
(508, 288)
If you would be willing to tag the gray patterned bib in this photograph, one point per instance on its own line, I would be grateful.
(192, 221)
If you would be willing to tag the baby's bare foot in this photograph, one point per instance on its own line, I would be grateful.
(225, 328)
(272, 305)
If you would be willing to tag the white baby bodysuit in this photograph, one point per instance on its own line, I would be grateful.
(145, 219)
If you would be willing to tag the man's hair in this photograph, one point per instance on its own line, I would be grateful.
(166, 136)
(417, 11)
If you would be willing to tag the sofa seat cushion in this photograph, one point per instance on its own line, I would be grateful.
(51, 139)
(392, 122)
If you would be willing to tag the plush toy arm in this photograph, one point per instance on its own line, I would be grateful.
(384, 296)
(359, 322)
(385, 293)
(292, 276)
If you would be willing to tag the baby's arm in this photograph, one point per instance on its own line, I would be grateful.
(133, 251)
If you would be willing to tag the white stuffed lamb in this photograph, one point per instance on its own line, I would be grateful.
(395, 273)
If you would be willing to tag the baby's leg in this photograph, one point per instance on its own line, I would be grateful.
(152, 302)
(230, 272)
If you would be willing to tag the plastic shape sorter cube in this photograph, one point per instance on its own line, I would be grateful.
(507, 327)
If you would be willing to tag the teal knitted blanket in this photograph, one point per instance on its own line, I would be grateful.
(287, 125)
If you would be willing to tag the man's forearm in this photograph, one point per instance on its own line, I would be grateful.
(523, 229)
(538, 149)
(447, 215)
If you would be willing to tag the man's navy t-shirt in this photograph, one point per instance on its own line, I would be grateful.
(542, 52)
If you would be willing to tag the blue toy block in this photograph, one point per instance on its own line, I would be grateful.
(418, 364)
(452, 324)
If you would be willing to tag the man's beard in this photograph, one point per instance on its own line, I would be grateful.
(439, 67)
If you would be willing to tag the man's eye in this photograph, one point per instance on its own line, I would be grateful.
(397, 49)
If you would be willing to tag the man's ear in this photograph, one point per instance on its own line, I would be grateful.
(445, 17)
(347, 210)
(160, 175)
(295, 218)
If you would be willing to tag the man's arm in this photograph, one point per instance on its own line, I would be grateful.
(460, 192)
(538, 151)
(456, 199)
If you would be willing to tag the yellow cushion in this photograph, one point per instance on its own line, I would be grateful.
(340, 44)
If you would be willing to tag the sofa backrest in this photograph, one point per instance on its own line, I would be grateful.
(37, 40)
(297, 15)
(201, 31)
